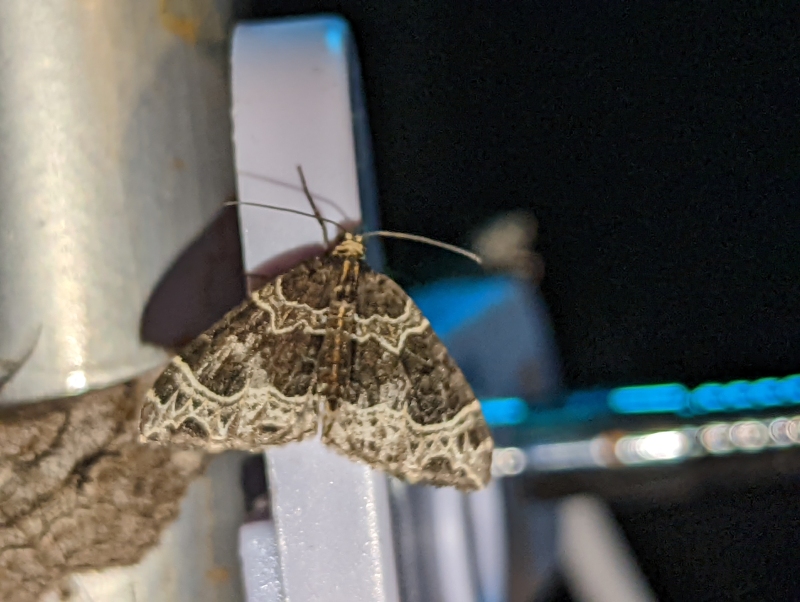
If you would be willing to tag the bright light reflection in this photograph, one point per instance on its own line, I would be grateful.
(793, 429)
(749, 435)
(654, 447)
(715, 438)
(76, 381)
(568, 455)
(508, 462)
(779, 431)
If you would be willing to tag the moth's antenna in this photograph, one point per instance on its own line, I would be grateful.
(317, 214)
(322, 221)
(426, 240)
(286, 209)
(281, 183)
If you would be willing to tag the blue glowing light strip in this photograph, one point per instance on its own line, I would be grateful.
(734, 396)
(669, 398)
(504, 411)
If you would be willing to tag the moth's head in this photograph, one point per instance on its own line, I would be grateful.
(352, 245)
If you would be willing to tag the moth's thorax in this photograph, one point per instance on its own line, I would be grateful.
(345, 289)
(351, 246)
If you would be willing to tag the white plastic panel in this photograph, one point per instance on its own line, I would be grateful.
(292, 105)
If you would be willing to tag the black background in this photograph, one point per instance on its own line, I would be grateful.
(658, 143)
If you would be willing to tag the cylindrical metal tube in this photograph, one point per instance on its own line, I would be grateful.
(115, 153)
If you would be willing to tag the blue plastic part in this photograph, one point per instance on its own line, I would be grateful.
(450, 304)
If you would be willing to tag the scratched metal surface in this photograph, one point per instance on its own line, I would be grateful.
(292, 104)
(115, 154)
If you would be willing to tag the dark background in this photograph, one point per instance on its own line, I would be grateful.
(658, 144)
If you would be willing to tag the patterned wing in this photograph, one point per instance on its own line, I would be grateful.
(250, 380)
(406, 408)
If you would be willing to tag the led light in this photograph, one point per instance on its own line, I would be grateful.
(569, 455)
(764, 392)
(749, 435)
(648, 399)
(708, 398)
(734, 395)
(789, 389)
(667, 445)
(793, 429)
(508, 462)
(779, 432)
(662, 446)
(504, 411)
(715, 438)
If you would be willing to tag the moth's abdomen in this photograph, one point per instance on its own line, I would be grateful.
(336, 355)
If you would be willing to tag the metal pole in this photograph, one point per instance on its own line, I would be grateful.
(115, 157)
(115, 153)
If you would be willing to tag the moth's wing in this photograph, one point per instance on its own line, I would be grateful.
(407, 408)
(250, 380)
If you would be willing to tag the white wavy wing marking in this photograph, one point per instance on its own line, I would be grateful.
(405, 447)
(391, 333)
(285, 315)
(288, 418)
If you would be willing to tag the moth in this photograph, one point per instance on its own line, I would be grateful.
(331, 348)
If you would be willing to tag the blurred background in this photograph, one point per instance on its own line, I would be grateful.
(657, 145)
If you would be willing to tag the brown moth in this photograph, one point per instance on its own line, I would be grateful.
(335, 344)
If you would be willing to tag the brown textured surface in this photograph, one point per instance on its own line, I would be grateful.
(333, 331)
(77, 490)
